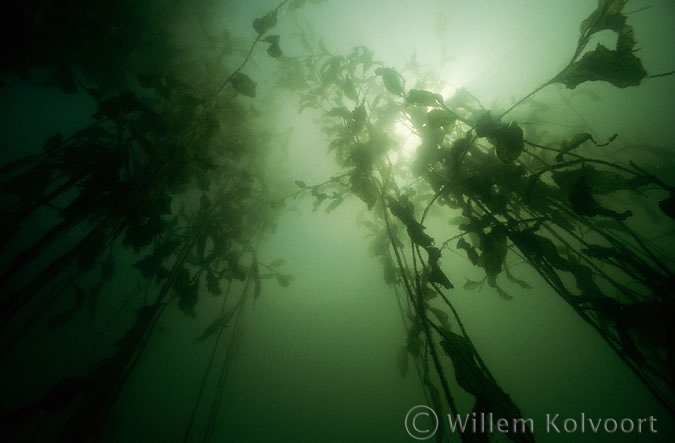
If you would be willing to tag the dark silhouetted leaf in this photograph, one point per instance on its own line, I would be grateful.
(187, 299)
(392, 80)
(601, 252)
(390, 272)
(349, 89)
(420, 97)
(597, 181)
(622, 69)
(470, 251)
(538, 248)
(461, 352)
(212, 284)
(442, 316)
(340, 112)
(471, 285)
(148, 266)
(458, 220)
(334, 204)
(493, 251)
(608, 15)
(274, 50)
(364, 188)
(266, 22)
(469, 375)
(581, 199)
(211, 329)
(437, 118)
(508, 142)
(331, 70)
(522, 283)
(486, 125)
(414, 342)
(403, 210)
(278, 262)
(503, 294)
(142, 231)
(573, 143)
(436, 275)
(243, 84)
(668, 206)
(284, 280)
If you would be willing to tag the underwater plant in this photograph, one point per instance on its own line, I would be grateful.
(168, 180)
(510, 200)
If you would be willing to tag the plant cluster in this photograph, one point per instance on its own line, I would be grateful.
(512, 198)
(169, 174)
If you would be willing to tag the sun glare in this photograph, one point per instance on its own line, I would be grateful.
(407, 139)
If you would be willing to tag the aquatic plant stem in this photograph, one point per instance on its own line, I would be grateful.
(208, 105)
(513, 106)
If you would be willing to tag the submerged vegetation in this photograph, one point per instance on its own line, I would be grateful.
(169, 179)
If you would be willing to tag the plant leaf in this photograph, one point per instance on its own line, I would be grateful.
(437, 118)
(278, 262)
(334, 204)
(243, 84)
(622, 69)
(458, 220)
(421, 97)
(470, 285)
(442, 316)
(493, 251)
(211, 329)
(274, 50)
(566, 146)
(522, 283)
(470, 251)
(436, 275)
(508, 142)
(503, 294)
(392, 80)
(489, 396)
(349, 89)
(266, 22)
(606, 16)
(212, 284)
(284, 280)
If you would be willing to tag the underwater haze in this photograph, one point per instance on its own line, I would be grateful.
(337, 221)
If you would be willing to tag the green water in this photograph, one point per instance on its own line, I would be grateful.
(315, 356)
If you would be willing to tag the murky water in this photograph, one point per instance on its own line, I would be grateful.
(302, 339)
